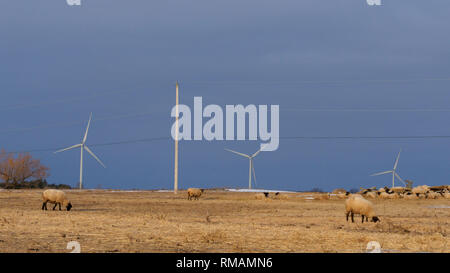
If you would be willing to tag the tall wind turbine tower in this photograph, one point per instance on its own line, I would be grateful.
(175, 182)
(83, 147)
(251, 167)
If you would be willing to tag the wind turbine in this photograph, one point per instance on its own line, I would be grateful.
(393, 171)
(251, 168)
(83, 147)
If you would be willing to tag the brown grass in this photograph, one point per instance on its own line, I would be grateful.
(106, 221)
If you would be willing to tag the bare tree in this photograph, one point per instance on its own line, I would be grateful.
(16, 170)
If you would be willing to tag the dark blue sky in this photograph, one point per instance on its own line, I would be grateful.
(120, 60)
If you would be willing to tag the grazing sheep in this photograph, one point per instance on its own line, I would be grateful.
(356, 204)
(56, 197)
(422, 195)
(194, 193)
(433, 195)
(421, 189)
(394, 196)
(371, 194)
(384, 195)
(280, 196)
(261, 195)
(446, 195)
(410, 196)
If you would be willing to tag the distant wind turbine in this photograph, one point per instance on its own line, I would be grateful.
(83, 147)
(251, 168)
(393, 171)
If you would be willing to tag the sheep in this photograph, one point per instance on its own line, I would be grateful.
(446, 195)
(194, 193)
(372, 195)
(342, 195)
(279, 196)
(421, 189)
(324, 196)
(262, 195)
(421, 195)
(384, 195)
(433, 195)
(356, 204)
(56, 197)
(393, 196)
(410, 196)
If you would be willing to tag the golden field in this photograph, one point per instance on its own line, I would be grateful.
(151, 221)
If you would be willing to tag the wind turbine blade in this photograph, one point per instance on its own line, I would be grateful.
(396, 161)
(69, 148)
(89, 151)
(375, 174)
(398, 176)
(255, 154)
(87, 129)
(241, 154)
(254, 175)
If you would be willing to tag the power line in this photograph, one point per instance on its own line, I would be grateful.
(365, 110)
(288, 82)
(366, 137)
(95, 145)
(68, 124)
(144, 140)
(61, 101)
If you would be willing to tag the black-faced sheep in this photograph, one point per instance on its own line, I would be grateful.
(356, 204)
(56, 197)
(194, 193)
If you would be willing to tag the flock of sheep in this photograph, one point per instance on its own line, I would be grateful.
(420, 192)
(355, 204)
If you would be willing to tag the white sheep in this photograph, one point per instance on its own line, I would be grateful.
(384, 195)
(371, 194)
(421, 189)
(56, 197)
(433, 195)
(356, 204)
(194, 193)
(261, 195)
(410, 196)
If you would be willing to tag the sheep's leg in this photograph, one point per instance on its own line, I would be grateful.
(55, 206)
(362, 217)
(352, 218)
(59, 206)
(348, 213)
(44, 206)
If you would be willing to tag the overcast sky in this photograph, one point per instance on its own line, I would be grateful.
(325, 62)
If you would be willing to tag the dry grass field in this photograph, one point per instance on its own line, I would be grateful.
(150, 221)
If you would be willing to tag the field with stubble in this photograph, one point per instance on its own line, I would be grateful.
(151, 221)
